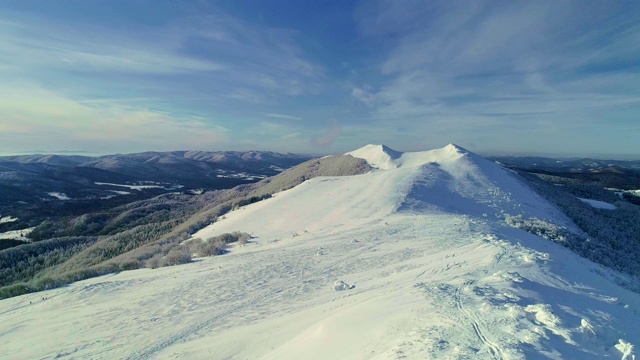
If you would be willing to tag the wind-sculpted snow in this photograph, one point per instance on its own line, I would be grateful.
(373, 266)
(453, 179)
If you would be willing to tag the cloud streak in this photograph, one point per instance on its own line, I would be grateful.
(498, 69)
(414, 74)
(90, 80)
(284, 117)
(31, 44)
(60, 120)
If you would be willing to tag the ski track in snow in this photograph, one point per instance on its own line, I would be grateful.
(423, 278)
(495, 349)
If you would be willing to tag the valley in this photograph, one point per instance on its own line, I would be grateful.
(39, 188)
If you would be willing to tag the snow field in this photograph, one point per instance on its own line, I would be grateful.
(598, 204)
(17, 234)
(59, 195)
(436, 273)
(7, 219)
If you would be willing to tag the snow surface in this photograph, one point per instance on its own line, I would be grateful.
(142, 187)
(598, 204)
(411, 261)
(17, 234)
(7, 219)
(132, 187)
(59, 195)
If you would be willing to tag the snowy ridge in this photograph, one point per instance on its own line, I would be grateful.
(413, 260)
(385, 158)
(378, 156)
(454, 179)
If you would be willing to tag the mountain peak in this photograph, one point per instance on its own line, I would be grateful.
(378, 156)
(456, 148)
(385, 158)
(382, 148)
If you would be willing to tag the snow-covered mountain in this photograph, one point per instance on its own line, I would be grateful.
(413, 260)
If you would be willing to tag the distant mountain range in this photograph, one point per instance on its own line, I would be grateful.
(43, 186)
(159, 166)
(605, 173)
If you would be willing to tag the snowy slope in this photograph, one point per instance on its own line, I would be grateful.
(598, 204)
(431, 268)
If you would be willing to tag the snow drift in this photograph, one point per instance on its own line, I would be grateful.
(411, 260)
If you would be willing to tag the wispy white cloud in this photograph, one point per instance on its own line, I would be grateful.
(271, 59)
(291, 135)
(363, 95)
(283, 116)
(485, 71)
(58, 121)
(411, 73)
(37, 43)
(91, 82)
(243, 95)
(240, 53)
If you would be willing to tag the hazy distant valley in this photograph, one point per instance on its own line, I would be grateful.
(619, 174)
(37, 188)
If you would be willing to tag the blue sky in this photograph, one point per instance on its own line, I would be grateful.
(520, 77)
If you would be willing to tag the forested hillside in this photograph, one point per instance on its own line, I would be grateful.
(612, 236)
(35, 188)
(139, 234)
